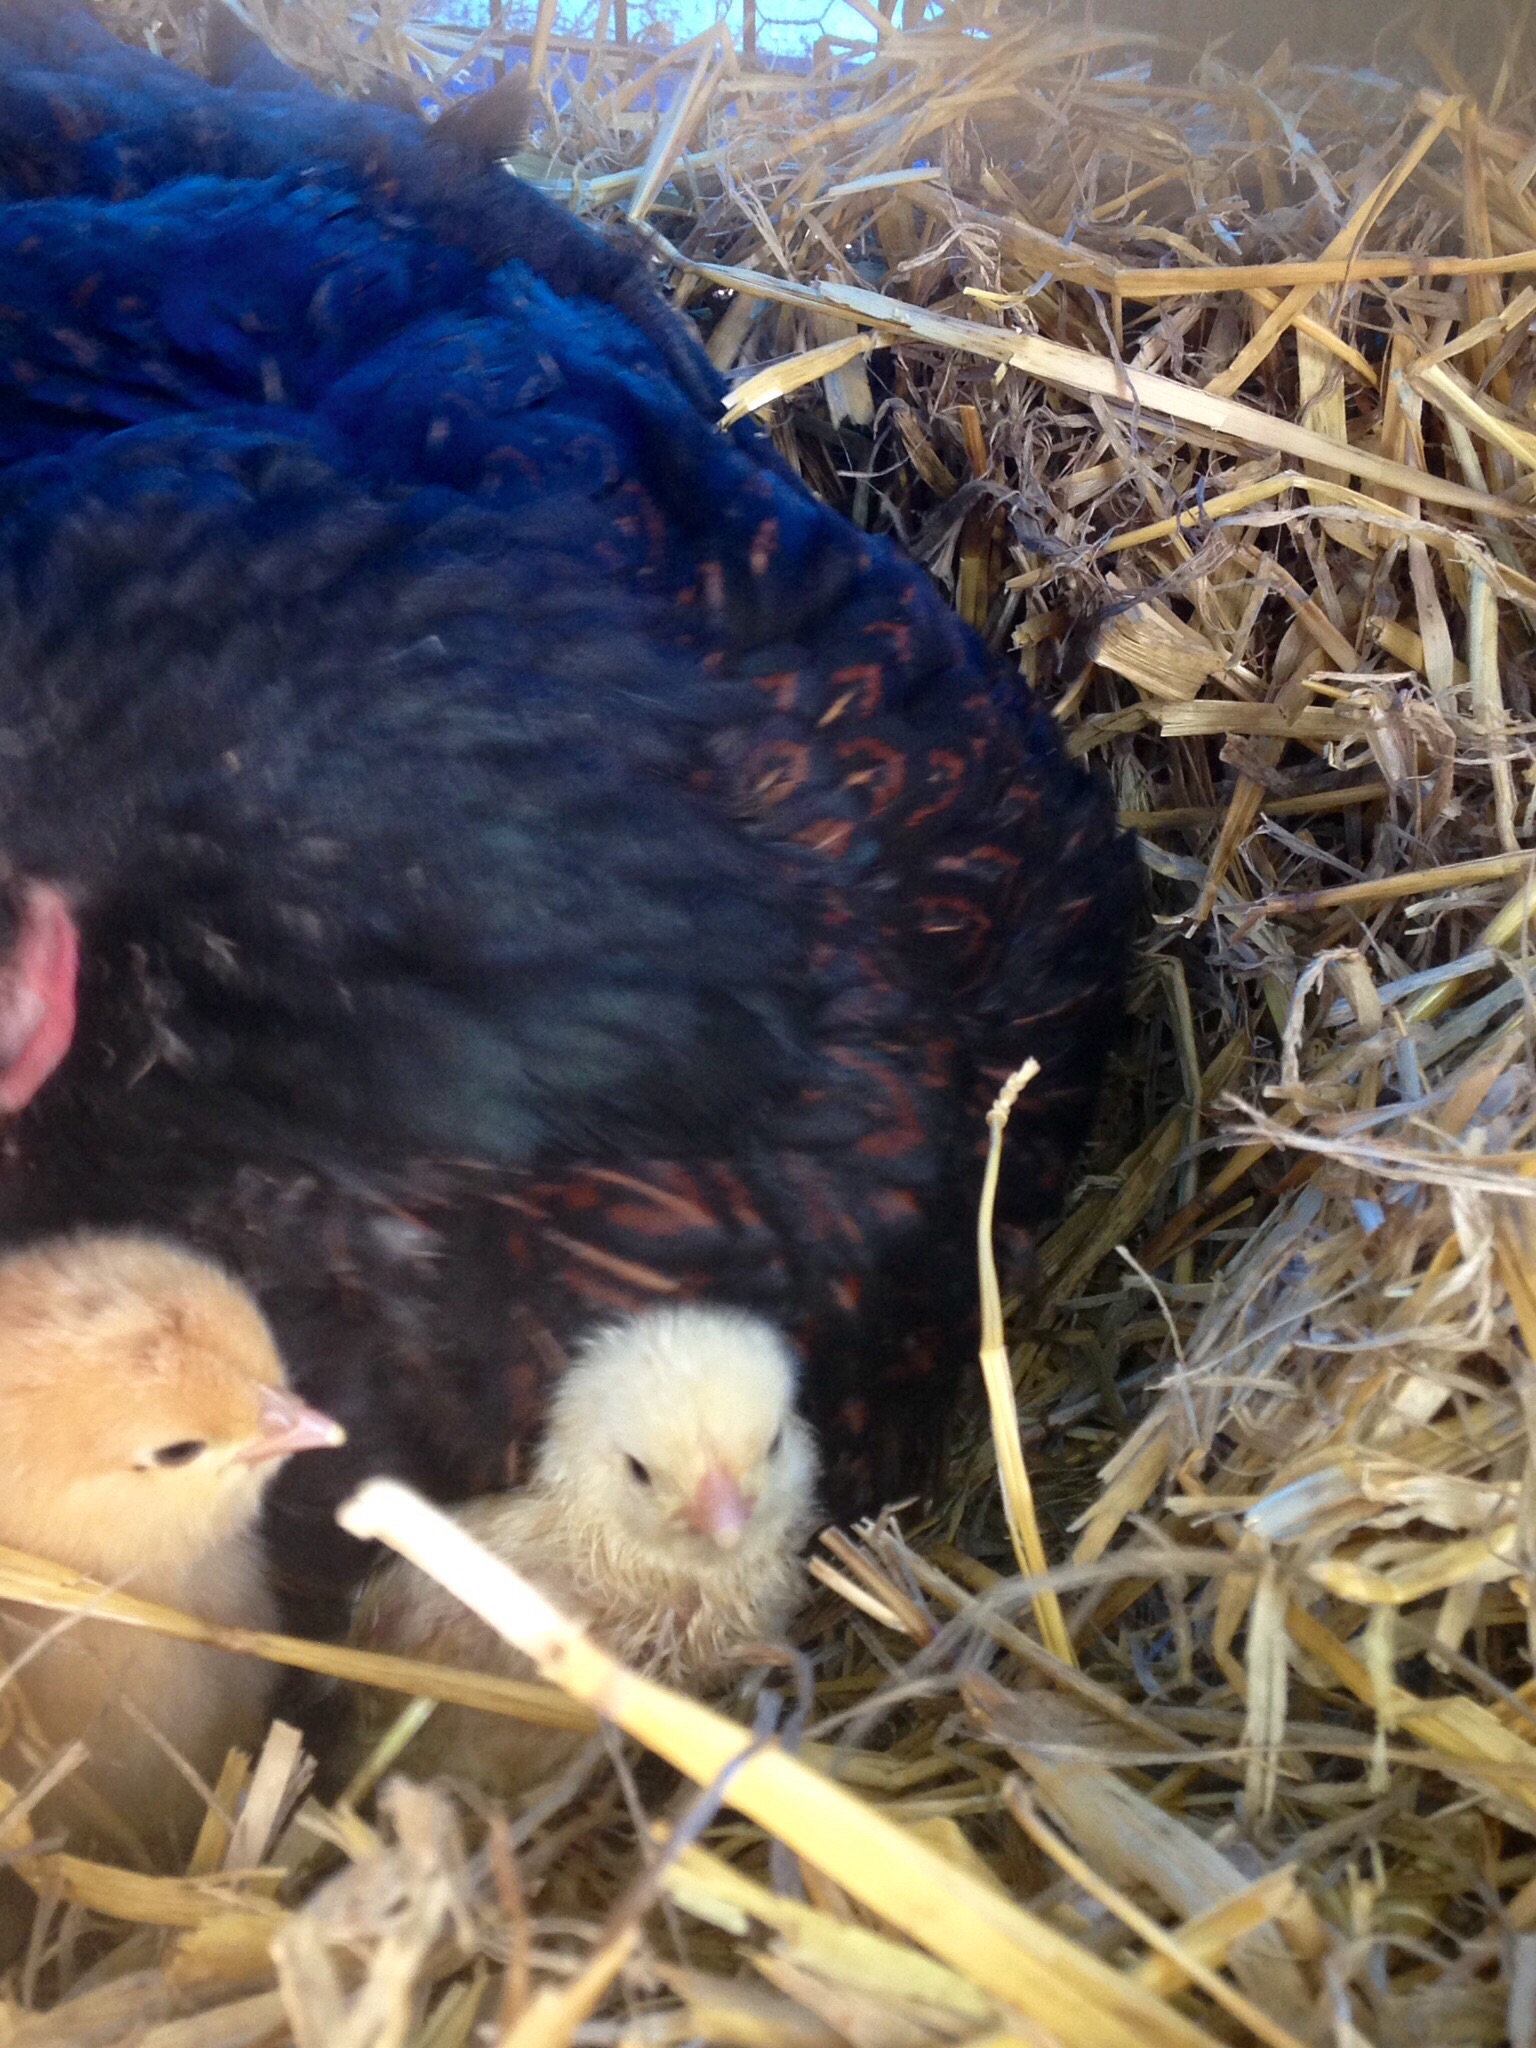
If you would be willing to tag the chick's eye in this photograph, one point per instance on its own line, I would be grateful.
(182, 1453)
(637, 1472)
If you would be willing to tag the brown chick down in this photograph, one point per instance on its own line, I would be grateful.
(143, 1410)
(669, 1502)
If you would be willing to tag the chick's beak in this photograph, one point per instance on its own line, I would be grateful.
(286, 1425)
(719, 1509)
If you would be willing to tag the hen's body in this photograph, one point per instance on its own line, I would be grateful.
(530, 858)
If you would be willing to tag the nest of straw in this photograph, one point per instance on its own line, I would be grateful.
(1246, 1751)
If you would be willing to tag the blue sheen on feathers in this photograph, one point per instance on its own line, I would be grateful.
(531, 856)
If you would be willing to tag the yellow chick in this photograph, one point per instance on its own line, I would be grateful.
(669, 1501)
(143, 1409)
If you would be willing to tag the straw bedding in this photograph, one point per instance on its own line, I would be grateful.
(1242, 364)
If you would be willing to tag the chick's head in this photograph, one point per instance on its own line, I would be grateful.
(677, 1431)
(143, 1404)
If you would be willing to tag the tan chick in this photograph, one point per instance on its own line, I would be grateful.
(143, 1410)
(669, 1501)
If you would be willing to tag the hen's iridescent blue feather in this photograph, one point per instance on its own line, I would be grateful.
(531, 857)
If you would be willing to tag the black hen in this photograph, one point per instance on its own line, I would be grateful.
(483, 846)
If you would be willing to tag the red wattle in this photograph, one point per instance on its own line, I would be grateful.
(44, 971)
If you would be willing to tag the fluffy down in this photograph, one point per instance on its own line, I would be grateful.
(481, 848)
(668, 1506)
(143, 1410)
